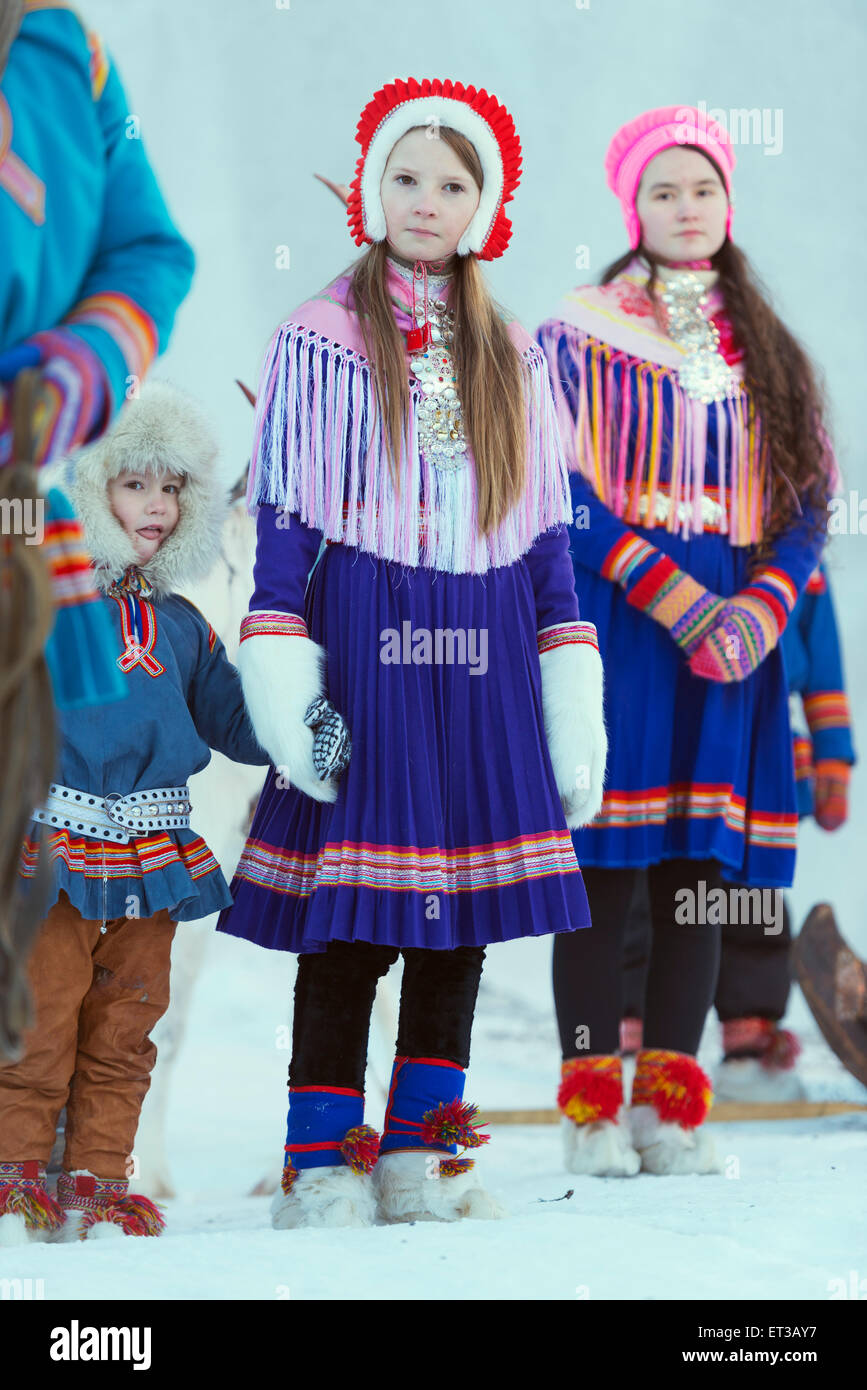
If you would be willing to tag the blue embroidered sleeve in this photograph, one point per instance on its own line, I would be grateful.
(216, 701)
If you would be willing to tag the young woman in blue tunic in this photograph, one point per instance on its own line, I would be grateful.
(700, 479)
(405, 420)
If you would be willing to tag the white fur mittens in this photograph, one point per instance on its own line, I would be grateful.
(282, 672)
(574, 724)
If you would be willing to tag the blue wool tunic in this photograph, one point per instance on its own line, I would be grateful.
(183, 699)
(696, 769)
(448, 828)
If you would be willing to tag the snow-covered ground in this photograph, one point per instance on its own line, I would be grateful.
(786, 1220)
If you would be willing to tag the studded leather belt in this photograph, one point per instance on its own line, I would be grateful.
(115, 817)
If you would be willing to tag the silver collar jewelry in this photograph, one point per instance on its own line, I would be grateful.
(705, 375)
(440, 424)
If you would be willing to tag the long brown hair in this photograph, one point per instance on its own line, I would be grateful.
(783, 387)
(488, 368)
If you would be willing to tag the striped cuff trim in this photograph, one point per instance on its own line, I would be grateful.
(567, 634)
(779, 584)
(624, 557)
(132, 328)
(268, 624)
(827, 709)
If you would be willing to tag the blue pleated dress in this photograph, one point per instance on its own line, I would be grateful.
(448, 828)
(696, 769)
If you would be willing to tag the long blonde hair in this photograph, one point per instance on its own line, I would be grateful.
(490, 378)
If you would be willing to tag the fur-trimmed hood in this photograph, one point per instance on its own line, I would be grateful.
(160, 429)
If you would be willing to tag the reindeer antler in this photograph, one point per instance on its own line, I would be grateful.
(340, 190)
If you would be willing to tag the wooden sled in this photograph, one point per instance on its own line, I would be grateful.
(834, 984)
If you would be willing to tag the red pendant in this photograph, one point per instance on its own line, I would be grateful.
(417, 338)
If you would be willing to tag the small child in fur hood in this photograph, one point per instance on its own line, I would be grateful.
(126, 865)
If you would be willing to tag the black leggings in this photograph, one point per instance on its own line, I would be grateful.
(755, 972)
(334, 994)
(682, 970)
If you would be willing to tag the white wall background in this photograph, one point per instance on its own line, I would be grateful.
(240, 101)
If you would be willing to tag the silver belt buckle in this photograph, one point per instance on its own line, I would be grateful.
(151, 809)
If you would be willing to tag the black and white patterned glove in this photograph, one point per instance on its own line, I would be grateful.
(331, 743)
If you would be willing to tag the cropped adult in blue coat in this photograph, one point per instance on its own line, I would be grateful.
(93, 267)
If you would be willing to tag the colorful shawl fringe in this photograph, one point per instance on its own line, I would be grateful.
(634, 433)
(320, 452)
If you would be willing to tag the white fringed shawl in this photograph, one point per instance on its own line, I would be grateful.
(320, 452)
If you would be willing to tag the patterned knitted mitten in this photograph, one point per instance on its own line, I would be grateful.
(749, 627)
(655, 585)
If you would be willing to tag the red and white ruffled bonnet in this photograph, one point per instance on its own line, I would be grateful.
(397, 108)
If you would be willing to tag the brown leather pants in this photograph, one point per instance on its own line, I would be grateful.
(96, 997)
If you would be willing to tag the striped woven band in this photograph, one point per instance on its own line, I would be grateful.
(567, 634)
(271, 624)
(85, 1193)
(827, 709)
(625, 556)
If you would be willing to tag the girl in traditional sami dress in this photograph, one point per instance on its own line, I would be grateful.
(700, 479)
(404, 419)
(115, 834)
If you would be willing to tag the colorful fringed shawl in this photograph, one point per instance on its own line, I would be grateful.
(640, 440)
(319, 449)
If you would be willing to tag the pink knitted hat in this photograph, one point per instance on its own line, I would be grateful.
(636, 143)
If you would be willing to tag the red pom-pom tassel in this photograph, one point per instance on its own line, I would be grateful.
(675, 1085)
(360, 1148)
(453, 1167)
(591, 1089)
(452, 1123)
